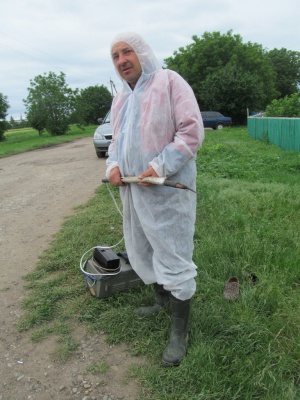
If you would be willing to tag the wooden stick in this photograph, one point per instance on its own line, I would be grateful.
(153, 180)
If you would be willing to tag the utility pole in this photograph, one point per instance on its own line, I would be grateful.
(112, 88)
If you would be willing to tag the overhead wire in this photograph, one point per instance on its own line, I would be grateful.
(29, 45)
(29, 56)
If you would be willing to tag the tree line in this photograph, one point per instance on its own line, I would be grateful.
(226, 74)
(230, 76)
(52, 106)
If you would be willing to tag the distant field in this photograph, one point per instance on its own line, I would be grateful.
(23, 130)
(26, 139)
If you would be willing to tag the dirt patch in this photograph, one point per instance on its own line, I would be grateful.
(38, 190)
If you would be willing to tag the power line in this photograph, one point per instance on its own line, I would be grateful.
(27, 55)
(29, 45)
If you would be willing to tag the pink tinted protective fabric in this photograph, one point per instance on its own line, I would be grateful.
(157, 124)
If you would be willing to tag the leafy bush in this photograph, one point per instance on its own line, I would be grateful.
(289, 106)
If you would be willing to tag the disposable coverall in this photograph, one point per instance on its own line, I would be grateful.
(157, 124)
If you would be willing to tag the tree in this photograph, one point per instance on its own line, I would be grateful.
(214, 57)
(92, 103)
(37, 116)
(4, 106)
(289, 106)
(221, 89)
(50, 103)
(12, 122)
(286, 64)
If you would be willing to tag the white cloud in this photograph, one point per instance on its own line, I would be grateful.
(74, 36)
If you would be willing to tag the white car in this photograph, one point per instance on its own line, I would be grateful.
(103, 136)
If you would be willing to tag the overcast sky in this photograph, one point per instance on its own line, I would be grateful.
(73, 36)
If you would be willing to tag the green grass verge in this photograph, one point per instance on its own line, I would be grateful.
(26, 139)
(247, 222)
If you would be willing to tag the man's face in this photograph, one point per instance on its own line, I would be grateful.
(127, 63)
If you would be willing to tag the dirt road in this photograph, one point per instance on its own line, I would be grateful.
(38, 189)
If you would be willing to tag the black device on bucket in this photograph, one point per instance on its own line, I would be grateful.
(106, 272)
(106, 258)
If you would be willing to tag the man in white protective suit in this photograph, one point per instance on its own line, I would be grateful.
(157, 131)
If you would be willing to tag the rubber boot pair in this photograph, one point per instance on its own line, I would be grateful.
(162, 301)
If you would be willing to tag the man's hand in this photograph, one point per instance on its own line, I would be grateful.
(115, 177)
(149, 172)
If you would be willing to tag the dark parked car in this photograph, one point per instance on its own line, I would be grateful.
(215, 120)
(102, 137)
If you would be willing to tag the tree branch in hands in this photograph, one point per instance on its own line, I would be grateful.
(150, 172)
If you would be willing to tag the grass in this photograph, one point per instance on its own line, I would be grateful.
(247, 222)
(26, 139)
(97, 368)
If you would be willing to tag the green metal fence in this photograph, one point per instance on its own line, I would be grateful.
(284, 132)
